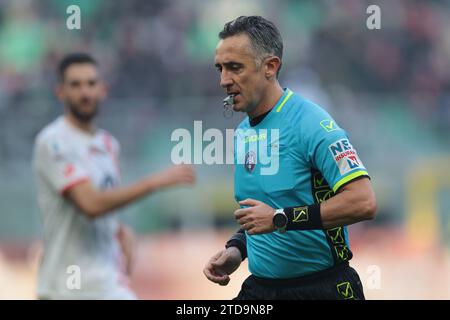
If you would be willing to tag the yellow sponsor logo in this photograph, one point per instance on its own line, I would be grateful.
(319, 181)
(329, 125)
(336, 235)
(345, 290)
(255, 137)
(342, 252)
(323, 195)
(300, 214)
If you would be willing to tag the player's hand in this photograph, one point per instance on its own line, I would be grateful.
(222, 264)
(257, 218)
(182, 174)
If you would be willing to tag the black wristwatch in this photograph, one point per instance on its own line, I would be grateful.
(280, 220)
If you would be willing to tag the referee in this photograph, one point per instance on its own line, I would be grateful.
(294, 221)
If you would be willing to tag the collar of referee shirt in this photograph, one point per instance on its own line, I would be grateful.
(285, 97)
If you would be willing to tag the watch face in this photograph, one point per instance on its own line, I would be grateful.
(279, 220)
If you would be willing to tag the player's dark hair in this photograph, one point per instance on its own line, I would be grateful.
(264, 36)
(74, 58)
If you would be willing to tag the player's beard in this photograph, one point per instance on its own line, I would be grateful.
(82, 116)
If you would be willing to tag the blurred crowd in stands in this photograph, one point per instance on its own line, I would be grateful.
(164, 49)
(156, 48)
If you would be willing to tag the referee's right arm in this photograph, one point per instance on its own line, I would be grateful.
(239, 240)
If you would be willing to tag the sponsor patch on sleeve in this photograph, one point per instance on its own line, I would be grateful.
(345, 156)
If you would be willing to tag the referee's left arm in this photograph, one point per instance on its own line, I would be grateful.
(326, 148)
(353, 203)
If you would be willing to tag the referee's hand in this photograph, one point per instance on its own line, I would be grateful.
(256, 218)
(222, 264)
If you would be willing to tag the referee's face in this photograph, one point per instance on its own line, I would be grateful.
(81, 91)
(239, 72)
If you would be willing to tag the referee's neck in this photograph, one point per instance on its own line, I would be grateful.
(268, 101)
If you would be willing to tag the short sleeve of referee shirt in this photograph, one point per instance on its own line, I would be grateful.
(59, 166)
(328, 148)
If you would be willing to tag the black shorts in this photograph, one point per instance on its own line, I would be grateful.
(338, 283)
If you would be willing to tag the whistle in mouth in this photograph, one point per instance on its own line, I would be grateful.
(228, 101)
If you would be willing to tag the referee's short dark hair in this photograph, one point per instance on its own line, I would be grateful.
(73, 58)
(264, 36)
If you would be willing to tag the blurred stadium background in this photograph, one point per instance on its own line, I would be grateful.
(389, 88)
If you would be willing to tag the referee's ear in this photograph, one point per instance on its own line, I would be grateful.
(271, 66)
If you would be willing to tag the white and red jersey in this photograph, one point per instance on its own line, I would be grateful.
(81, 257)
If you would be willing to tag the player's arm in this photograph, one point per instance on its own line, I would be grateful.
(94, 202)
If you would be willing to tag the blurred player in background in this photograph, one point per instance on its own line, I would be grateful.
(76, 167)
(293, 221)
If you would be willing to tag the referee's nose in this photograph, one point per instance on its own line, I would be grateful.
(225, 79)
